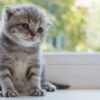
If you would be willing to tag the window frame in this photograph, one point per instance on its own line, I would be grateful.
(80, 70)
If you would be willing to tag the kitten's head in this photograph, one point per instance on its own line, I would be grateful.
(25, 25)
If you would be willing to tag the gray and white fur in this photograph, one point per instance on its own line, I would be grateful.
(21, 64)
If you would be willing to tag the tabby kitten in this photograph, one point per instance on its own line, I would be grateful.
(21, 68)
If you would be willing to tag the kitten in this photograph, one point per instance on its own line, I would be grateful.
(21, 65)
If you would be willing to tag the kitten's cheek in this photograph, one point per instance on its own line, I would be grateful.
(12, 30)
(13, 35)
(41, 35)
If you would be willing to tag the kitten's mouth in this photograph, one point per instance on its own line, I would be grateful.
(29, 38)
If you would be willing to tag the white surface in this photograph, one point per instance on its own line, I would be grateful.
(77, 76)
(64, 95)
(80, 70)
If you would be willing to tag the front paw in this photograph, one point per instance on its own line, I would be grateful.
(10, 93)
(49, 87)
(36, 92)
(1, 94)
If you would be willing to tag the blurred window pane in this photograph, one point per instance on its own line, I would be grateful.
(76, 24)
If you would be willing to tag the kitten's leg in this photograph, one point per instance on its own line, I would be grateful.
(33, 75)
(44, 83)
(8, 89)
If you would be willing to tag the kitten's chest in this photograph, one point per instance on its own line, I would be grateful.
(21, 62)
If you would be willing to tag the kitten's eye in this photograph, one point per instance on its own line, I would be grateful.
(40, 30)
(25, 25)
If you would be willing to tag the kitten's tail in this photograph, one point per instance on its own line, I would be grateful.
(61, 86)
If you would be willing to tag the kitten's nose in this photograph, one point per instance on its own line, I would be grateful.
(31, 33)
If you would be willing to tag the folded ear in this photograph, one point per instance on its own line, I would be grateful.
(50, 24)
(9, 12)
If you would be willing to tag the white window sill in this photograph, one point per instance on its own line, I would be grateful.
(63, 95)
(80, 70)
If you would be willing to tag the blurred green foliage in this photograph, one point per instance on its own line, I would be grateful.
(68, 22)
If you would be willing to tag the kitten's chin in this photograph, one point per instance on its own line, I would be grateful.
(28, 43)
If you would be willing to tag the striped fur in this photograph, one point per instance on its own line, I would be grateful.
(21, 67)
